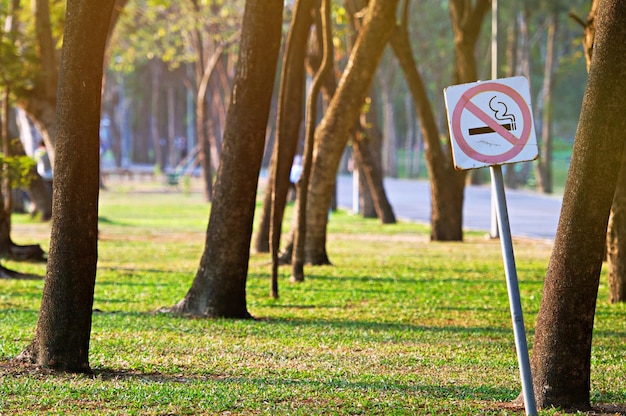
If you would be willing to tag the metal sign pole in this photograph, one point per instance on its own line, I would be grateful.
(514, 294)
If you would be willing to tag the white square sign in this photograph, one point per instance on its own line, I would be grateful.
(491, 123)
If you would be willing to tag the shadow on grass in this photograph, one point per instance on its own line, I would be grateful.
(452, 391)
(490, 398)
(385, 327)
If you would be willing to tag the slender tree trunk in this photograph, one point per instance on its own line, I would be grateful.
(544, 165)
(63, 330)
(290, 112)
(5, 190)
(155, 135)
(561, 359)
(616, 240)
(446, 183)
(219, 287)
(332, 134)
(372, 176)
(40, 102)
(390, 142)
(410, 147)
(288, 130)
(510, 175)
(171, 124)
(367, 207)
(202, 120)
(302, 186)
(367, 147)
(373, 198)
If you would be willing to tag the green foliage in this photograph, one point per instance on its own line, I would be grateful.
(398, 325)
(18, 59)
(167, 30)
(18, 169)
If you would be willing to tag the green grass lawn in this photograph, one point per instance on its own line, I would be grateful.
(397, 326)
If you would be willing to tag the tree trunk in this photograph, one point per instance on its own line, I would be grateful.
(390, 138)
(616, 240)
(366, 205)
(289, 120)
(616, 233)
(202, 120)
(372, 175)
(155, 135)
(544, 164)
(61, 338)
(8, 249)
(287, 137)
(333, 132)
(367, 147)
(302, 186)
(446, 183)
(466, 23)
(561, 360)
(40, 102)
(219, 287)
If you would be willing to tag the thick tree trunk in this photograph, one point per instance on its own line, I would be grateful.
(333, 132)
(61, 338)
(219, 287)
(616, 234)
(561, 359)
(289, 120)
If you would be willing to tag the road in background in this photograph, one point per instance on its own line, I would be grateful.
(530, 214)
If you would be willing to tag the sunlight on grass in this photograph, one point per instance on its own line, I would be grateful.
(397, 325)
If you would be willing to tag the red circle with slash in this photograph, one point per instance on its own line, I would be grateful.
(465, 103)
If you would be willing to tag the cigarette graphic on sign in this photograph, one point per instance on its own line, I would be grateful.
(501, 113)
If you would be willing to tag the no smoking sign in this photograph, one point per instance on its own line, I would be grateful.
(491, 123)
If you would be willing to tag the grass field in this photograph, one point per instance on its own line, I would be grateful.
(397, 326)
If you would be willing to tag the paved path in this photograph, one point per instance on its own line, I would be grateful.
(530, 214)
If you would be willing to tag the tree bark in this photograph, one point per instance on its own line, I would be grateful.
(373, 198)
(616, 232)
(155, 92)
(367, 147)
(616, 240)
(289, 120)
(219, 287)
(332, 134)
(61, 338)
(544, 165)
(40, 102)
(446, 184)
(467, 19)
(372, 175)
(302, 186)
(561, 359)
(390, 142)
